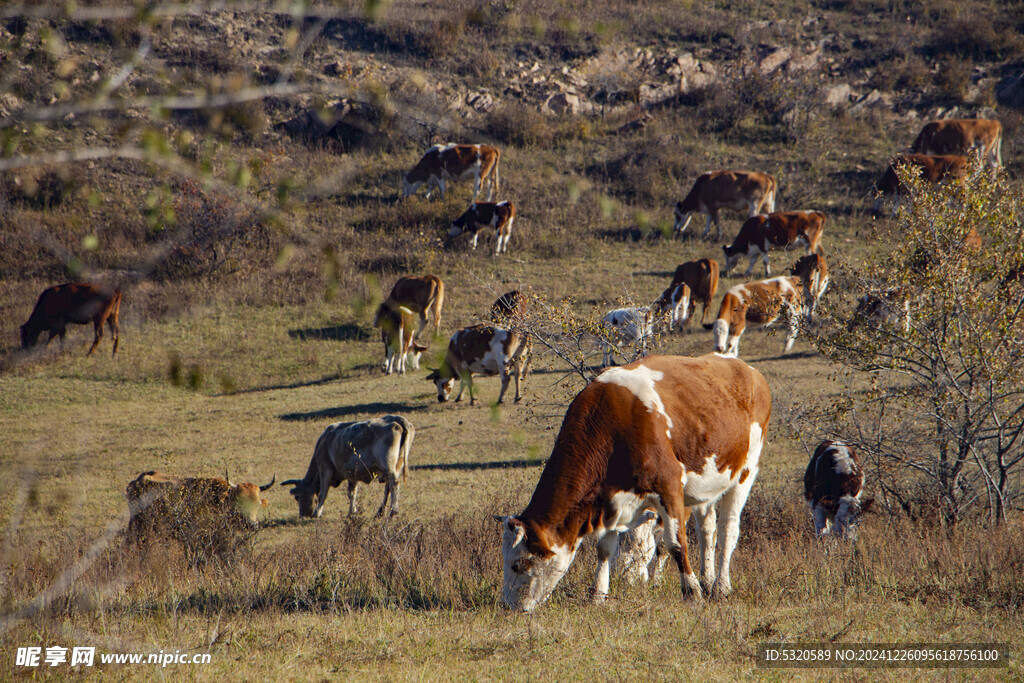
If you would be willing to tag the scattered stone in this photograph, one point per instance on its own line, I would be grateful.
(837, 95)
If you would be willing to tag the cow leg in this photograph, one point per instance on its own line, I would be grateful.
(706, 517)
(734, 346)
(767, 268)
(476, 236)
(793, 318)
(505, 377)
(352, 508)
(820, 518)
(707, 224)
(390, 489)
(115, 332)
(730, 507)
(674, 517)
(606, 549)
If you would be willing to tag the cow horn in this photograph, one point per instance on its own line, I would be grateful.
(291, 482)
(272, 480)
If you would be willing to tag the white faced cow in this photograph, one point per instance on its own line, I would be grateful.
(442, 163)
(961, 136)
(833, 484)
(482, 349)
(757, 302)
(483, 215)
(718, 190)
(812, 271)
(783, 230)
(665, 433)
(423, 295)
(627, 326)
(397, 330)
(356, 452)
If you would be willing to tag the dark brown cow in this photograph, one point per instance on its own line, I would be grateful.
(422, 295)
(442, 163)
(962, 136)
(397, 327)
(784, 230)
(665, 433)
(718, 190)
(812, 270)
(483, 215)
(482, 349)
(701, 276)
(509, 308)
(932, 168)
(756, 302)
(833, 484)
(76, 302)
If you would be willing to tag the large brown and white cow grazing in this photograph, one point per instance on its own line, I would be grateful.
(483, 215)
(77, 302)
(442, 163)
(183, 505)
(812, 270)
(677, 301)
(356, 452)
(397, 330)
(718, 190)
(783, 230)
(423, 295)
(482, 350)
(665, 433)
(757, 302)
(961, 136)
(933, 168)
(833, 484)
(702, 278)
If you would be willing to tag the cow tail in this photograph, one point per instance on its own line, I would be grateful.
(437, 305)
(774, 192)
(497, 179)
(408, 432)
(115, 304)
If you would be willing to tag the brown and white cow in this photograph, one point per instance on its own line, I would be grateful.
(483, 215)
(677, 301)
(442, 163)
(76, 302)
(397, 330)
(833, 484)
(718, 190)
(812, 270)
(933, 168)
(783, 230)
(701, 276)
(356, 452)
(961, 136)
(757, 302)
(486, 350)
(667, 433)
(423, 295)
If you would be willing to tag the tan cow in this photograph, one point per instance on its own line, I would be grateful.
(422, 295)
(482, 349)
(962, 136)
(931, 168)
(442, 163)
(483, 215)
(812, 270)
(784, 230)
(718, 190)
(666, 433)
(757, 302)
(397, 332)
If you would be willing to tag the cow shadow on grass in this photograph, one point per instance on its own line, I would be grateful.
(344, 332)
(799, 355)
(377, 407)
(493, 465)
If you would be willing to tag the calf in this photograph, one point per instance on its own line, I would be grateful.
(481, 349)
(783, 230)
(483, 215)
(396, 331)
(627, 326)
(77, 302)
(666, 433)
(356, 452)
(423, 295)
(676, 299)
(833, 484)
(961, 136)
(726, 190)
(757, 302)
(701, 276)
(812, 270)
(442, 163)
(931, 168)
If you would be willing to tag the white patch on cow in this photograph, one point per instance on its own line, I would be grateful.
(640, 380)
(843, 463)
(682, 475)
(756, 443)
(708, 485)
(494, 358)
(504, 203)
(629, 510)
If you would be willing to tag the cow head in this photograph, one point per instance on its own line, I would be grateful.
(530, 574)
(732, 257)
(720, 330)
(682, 218)
(409, 187)
(458, 226)
(444, 385)
(248, 501)
(29, 335)
(306, 496)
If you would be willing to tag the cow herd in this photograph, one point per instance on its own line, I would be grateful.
(669, 435)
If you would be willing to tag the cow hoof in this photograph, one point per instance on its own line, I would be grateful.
(720, 591)
(691, 589)
(598, 598)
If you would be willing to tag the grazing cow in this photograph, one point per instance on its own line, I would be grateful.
(783, 230)
(934, 169)
(717, 190)
(833, 483)
(483, 215)
(702, 278)
(76, 302)
(677, 300)
(481, 349)
(884, 307)
(157, 500)
(961, 136)
(396, 331)
(442, 163)
(628, 326)
(356, 452)
(422, 295)
(666, 433)
(756, 302)
(812, 270)
(509, 308)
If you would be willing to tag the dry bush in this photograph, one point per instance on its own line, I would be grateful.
(522, 125)
(38, 188)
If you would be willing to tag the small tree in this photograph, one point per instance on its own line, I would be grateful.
(942, 344)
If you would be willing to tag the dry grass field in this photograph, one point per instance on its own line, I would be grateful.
(246, 329)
